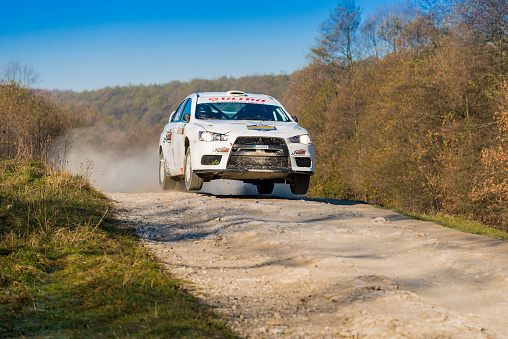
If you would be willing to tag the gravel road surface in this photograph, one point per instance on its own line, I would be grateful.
(303, 268)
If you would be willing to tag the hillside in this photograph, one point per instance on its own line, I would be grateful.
(151, 105)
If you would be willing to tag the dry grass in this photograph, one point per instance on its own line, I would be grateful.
(67, 269)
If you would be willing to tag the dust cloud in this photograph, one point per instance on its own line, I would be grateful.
(97, 155)
(100, 155)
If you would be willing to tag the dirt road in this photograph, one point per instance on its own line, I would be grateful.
(275, 267)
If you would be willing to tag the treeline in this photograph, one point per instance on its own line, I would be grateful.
(138, 113)
(409, 110)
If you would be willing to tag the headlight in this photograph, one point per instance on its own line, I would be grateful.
(209, 136)
(301, 139)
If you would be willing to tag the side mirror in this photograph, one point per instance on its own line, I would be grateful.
(295, 118)
(186, 117)
(171, 116)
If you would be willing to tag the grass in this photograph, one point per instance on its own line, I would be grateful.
(67, 268)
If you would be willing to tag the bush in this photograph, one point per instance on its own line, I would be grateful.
(491, 190)
(29, 121)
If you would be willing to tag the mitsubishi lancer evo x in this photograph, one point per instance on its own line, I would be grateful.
(234, 135)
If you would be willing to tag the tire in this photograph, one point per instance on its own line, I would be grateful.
(192, 181)
(300, 184)
(265, 187)
(165, 182)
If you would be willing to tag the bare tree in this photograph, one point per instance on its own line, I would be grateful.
(370, 36)
(338, 41)
(399, 25)
(487, 19)
(438, 12)
(17, 70)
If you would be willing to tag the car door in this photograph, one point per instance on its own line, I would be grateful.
(165, 143)
(170, 131)
(178, 142)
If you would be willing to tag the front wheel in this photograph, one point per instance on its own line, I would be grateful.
(300, 185)
(192, 181)
(165, 182)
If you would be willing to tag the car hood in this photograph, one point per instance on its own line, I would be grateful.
(252, 127)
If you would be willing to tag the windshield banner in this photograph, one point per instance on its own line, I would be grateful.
(235, 99)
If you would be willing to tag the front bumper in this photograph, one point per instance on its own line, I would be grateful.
(247, 174)
(252, 158)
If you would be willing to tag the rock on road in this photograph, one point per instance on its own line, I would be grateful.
(275, 267)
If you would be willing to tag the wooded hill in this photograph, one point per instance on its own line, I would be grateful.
(409, 110)
(151, 105)
(133, 116)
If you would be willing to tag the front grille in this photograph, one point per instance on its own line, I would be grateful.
(258, 162)
(260, 141)
(259, 153)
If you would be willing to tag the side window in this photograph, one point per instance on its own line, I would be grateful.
(280, 115)
(187, 108)
(178, 112)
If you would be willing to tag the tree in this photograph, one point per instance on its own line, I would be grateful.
(370, 37)
(491, 190)
(338, 41)
(487, 19)
(404, 26)
(392, 22)
(29, 121)
(17, 70)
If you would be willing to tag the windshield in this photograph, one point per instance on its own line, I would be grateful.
(240, 111)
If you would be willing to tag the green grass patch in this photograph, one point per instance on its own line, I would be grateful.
(67, 268)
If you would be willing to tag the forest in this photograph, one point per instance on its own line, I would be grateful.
(407, 108)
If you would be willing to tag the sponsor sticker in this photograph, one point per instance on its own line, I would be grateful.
(237, 99)
(180, 129)
(299, 152)
(221, 150)
(261, 128)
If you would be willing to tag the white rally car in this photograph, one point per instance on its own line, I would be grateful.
(234, 135)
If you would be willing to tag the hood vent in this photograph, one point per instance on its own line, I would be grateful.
(236, 93)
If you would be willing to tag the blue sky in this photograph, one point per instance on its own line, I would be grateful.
(94, 44)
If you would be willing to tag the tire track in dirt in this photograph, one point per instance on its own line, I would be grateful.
(275, 267)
